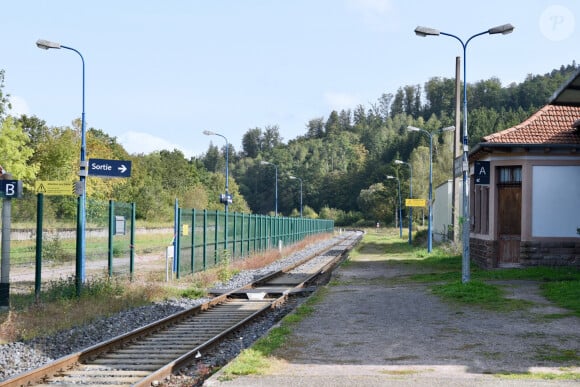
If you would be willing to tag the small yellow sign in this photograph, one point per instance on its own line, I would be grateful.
(55, 188)
(416, 202)
(185, 229)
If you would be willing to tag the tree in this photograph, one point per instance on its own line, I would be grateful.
(440, 95)
(385, 104)
(374, 202)
(212, 159)
(344, 120)
(271, 138)
(4, 101)
(397, 106)
(15, 152)
(252, 142)
(315, 128)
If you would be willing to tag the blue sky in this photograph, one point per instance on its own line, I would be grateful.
(159, 73)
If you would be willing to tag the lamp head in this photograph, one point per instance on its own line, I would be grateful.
(46, 44)
(208, 132)
(399, 162)
(264, 162)
(413, 129)
(390, 177)
(426, 31)
(503, 29)
(448, 129)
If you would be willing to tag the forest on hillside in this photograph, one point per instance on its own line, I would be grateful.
(340, 162)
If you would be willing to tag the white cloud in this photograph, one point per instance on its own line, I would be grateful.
(139, 142)
(338, 101)
(19, 106)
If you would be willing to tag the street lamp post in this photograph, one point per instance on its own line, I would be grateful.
(81, 217)
(400, 211)
(430, 204)
(426, 31)
(411, 196)
(276, 188)
(227, 197)
(297, 178)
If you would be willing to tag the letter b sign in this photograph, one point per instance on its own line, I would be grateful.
(11, 188)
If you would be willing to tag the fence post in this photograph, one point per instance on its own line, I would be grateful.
(193, 240)
(216, 238)
(242, 236)
(39, 220)
(111, 232)
(251, 246)
(234, 240)
(132, 243)
(204, 240)
(178, 244)
(175, 235)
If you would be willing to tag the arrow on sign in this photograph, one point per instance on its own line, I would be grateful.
(109, 168)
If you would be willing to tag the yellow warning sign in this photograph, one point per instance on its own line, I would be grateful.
(54, 188)
(416, 202)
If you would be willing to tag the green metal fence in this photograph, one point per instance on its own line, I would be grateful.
(206, 238)
(43, 242)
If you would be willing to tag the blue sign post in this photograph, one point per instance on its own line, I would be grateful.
(109, 168)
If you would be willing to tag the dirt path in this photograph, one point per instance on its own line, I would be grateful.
(375, 329)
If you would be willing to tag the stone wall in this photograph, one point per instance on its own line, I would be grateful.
(538, 253)
(532, 253)
(483, 252)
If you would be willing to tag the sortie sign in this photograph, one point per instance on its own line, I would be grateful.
(109, 168)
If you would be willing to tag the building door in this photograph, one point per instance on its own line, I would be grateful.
(509, 216)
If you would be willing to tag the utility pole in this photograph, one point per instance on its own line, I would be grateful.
(456, 189)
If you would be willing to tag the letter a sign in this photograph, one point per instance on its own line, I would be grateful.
(481, 171)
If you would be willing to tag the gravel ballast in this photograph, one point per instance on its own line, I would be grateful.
(18, 357)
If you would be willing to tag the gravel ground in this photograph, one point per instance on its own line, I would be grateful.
(373, 328)
(18, 357)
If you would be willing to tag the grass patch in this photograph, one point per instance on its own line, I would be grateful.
(564, 375)
(557, 355)
(62, 309)
(479, 294)
(564, 293)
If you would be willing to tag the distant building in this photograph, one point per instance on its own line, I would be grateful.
(442, 211)
(525, 188)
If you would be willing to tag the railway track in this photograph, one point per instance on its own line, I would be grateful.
(152, 352)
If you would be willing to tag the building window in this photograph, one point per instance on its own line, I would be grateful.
(510, 175)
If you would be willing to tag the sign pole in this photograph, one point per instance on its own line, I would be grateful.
(5, 250)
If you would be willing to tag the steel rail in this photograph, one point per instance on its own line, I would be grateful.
(156, 350)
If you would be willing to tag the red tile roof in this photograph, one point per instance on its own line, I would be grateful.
(550, 125)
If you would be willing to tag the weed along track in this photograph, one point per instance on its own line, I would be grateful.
(155, 351)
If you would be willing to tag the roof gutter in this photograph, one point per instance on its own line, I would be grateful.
(484, 146)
